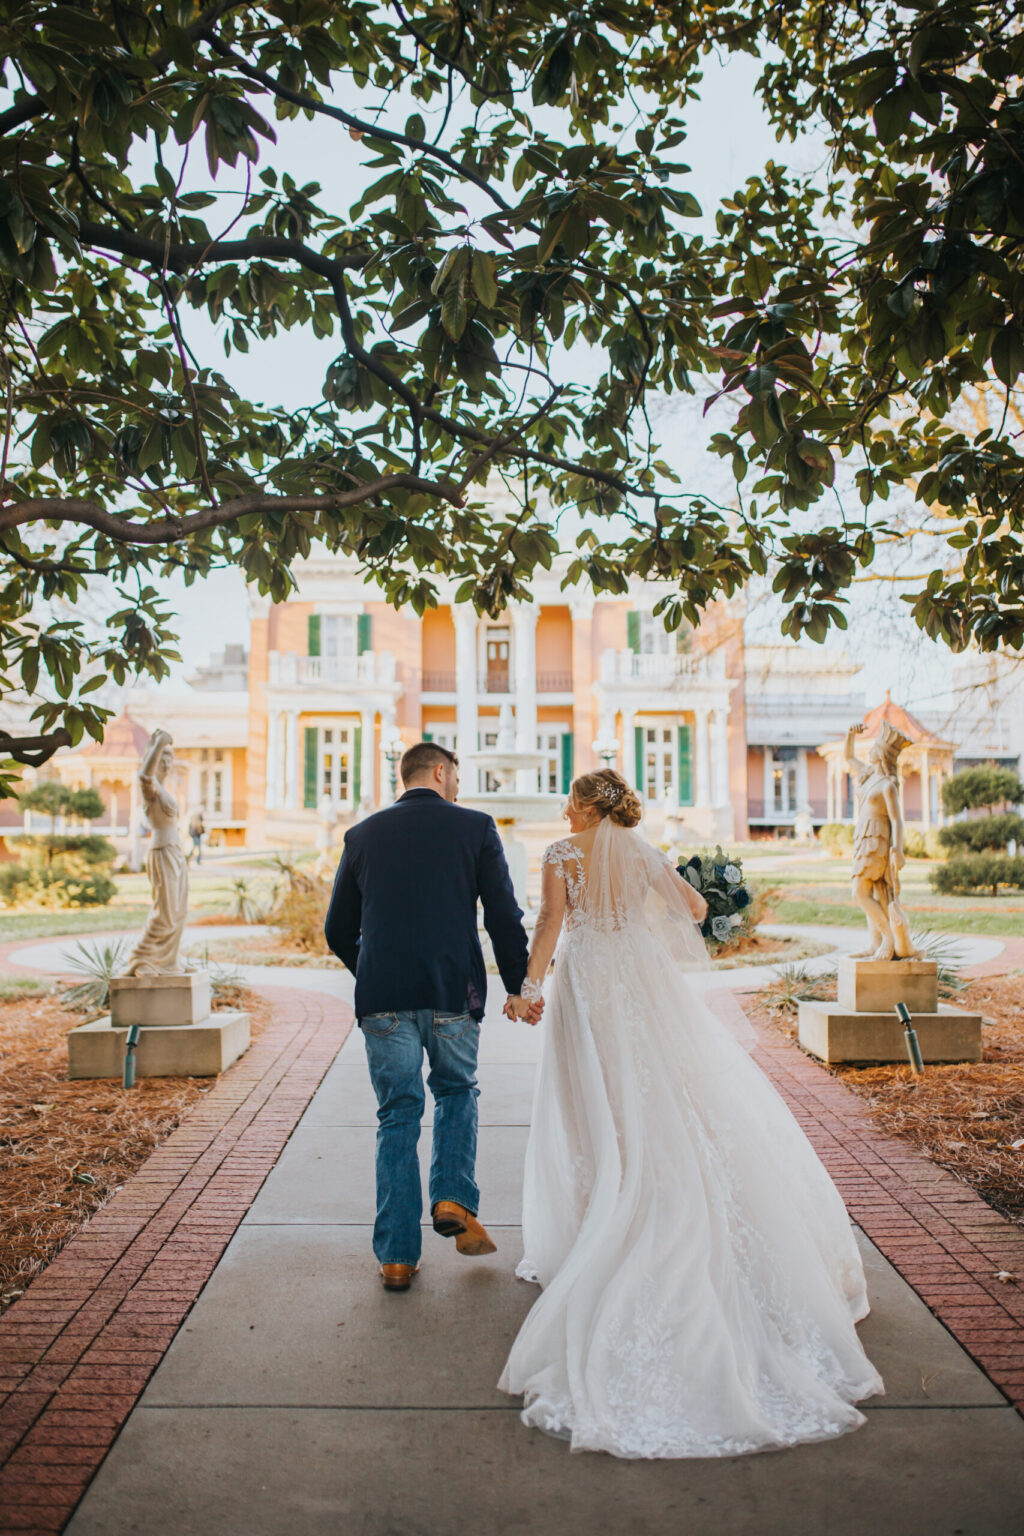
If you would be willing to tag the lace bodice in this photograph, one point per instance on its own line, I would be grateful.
(567, 858)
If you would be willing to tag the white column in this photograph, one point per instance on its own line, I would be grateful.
(802, 795)
(273, 794)
(769, 764)
(720, 781)
(291, 773)
(366, 758)
(926, 790)
(134, 812)
(703, 751)
(629, 768)
(465, 685)
(524, 641)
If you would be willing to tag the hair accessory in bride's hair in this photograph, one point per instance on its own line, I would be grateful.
(612, 793)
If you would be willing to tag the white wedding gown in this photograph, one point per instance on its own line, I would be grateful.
(700, 1276)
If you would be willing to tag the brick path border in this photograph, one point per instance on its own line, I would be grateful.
(78, 1348)
(945, 1241)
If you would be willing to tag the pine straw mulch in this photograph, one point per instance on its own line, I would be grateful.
(964, 1116)
(67, 1146)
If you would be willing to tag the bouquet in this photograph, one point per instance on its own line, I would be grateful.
(720, 881)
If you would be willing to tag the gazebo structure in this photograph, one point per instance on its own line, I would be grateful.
(922, 767)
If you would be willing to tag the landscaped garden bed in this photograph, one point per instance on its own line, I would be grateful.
(967, 1117)
(67, 1146)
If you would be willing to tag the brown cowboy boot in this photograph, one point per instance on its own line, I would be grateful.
(398, 1277)
(452, 1220)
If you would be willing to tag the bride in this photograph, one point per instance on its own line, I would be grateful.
(700, 1277)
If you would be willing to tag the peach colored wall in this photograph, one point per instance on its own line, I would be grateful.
(438, 640)
(391, 629)
(755, 781)
(817, 783)
(585, 714)
(289, 627)
(554, 640)
(255, 780)
(609, 628)
(437, 714)
(912, 796)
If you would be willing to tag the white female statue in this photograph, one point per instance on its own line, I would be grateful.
(156, 953)
(878, 854)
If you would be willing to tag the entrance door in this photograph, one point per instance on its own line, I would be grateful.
(497, 660)
(335, 775)
(659, 764)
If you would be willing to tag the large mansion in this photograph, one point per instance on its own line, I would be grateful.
(287, 736)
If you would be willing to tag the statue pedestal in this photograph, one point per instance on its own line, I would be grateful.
(871, 986)
(862, 1027)
(170, 1001)
(179, 1036)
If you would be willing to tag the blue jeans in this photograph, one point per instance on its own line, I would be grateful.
(395, 1043)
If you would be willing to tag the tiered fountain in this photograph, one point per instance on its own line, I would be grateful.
(509, 804)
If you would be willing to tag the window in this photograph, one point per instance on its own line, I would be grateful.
(783, 786)
(487, 784)
(497, 657)
(549, 775)
(658, 767)
(655, 639)
(218, 791)
(338, 636)
(334, 774)
(331, 768)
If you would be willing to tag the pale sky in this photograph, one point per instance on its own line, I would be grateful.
(729, 140)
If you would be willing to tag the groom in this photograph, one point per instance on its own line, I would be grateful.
(403, 919)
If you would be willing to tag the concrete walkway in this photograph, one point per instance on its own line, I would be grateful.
(299, 1399)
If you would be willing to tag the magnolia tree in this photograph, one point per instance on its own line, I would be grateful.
(518, 191)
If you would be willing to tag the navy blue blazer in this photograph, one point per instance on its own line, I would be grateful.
(403, 910)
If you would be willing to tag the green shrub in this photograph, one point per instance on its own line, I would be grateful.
(60, 870)
(978, 788)
(54, 886)
(837, 837)
(984, 834)
(933, 844)
(975, 872)
(914, 846)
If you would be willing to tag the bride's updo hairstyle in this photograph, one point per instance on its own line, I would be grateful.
(607, 793)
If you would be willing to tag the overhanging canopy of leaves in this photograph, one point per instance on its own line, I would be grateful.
(517, 190)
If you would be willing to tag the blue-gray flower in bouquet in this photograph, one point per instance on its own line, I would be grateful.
(719, 879)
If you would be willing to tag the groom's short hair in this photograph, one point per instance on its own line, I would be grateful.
(423, 758)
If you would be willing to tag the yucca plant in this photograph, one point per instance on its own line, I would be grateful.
(99, 963)
(944, 950)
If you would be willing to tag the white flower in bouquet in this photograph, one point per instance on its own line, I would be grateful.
(732, 874)
(721, 927)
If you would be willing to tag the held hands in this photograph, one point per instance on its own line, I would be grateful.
(519, 1008)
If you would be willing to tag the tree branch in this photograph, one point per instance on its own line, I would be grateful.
(33, 751)
(181, 257)
(170, 530)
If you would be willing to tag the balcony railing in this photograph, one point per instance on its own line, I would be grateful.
(634, 667)
(438, 682)
(554, 682)
(497, 682)
(375, 668)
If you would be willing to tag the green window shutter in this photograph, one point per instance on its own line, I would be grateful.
(633, 630)
(638, 758)
(567, 761)
(364, 633)
(313, 634)
(357, 766)
(427, 736)
(685, 765)
(309, 766)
